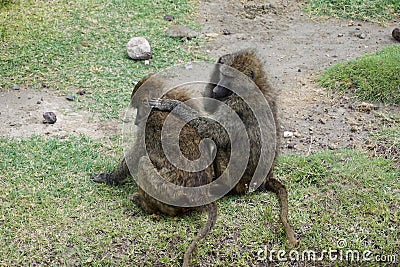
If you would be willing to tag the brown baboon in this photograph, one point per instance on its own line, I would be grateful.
(247, 62)
(189, 142)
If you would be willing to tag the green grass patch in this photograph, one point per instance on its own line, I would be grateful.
(373, 77)
(368, 10)
(52, 214)
(75, 45)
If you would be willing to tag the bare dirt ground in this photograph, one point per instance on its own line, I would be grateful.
(21, 115)
(295, 50)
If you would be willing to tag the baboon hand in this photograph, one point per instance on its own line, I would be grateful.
(163, 104)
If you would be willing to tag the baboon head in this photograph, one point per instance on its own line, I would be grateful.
(244, 61)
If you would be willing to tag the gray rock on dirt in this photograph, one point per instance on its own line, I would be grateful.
(180, 31)
(396, 34)
(49, 117)
(138, 48)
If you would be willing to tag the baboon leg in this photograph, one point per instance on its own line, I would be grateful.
(212, 218)
(116, 177)
(279, 189)
(263, 186)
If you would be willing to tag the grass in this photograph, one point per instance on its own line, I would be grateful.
(372, 77)
(52, 214)
(81, 45)
(377, 11)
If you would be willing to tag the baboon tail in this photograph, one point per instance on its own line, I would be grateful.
(212, 218)
(279, 189)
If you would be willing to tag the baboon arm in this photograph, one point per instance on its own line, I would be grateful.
(186, 113)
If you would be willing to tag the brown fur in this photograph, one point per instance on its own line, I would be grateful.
(189, 142)
(247, 62)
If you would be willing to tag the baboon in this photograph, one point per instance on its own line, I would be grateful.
(396, 34)
(247, 62)
(189, 142)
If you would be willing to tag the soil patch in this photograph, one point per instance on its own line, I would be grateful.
(21, 116)
(295, 49)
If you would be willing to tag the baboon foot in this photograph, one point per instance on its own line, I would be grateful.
(102, 178)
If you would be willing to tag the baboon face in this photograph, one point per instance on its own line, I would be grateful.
(228, 76)
(226, 80)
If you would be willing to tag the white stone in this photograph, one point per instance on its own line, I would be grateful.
(287, 134)
(139, 48)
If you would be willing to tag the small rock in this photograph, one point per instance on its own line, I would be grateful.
(16, 87)
(49, 117)
(81, 92)
(354, 129)
(396, 34)
(291, 145)
(180, 31)
(332, 146)
(168, 18)
(70, 97)
(188, 66)
(212, 35)
(322, 121)
(138, 48)
(361, 35)
(297, 134)
(287, 134)
(147, 62)
(39, 102)
(366, 107)
(226, 32)
(340, 35)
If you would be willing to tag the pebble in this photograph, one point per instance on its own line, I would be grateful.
(138, 48)
(366, 107)
(226, 32)
(297, 134)
(332, 146)
(361, 35)
(168, 18)
(180, 31)
(81, 92)
(212, 35)
(49, 117)
(287, 134)
(291, 145)
(15, 87)
(70, 97)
